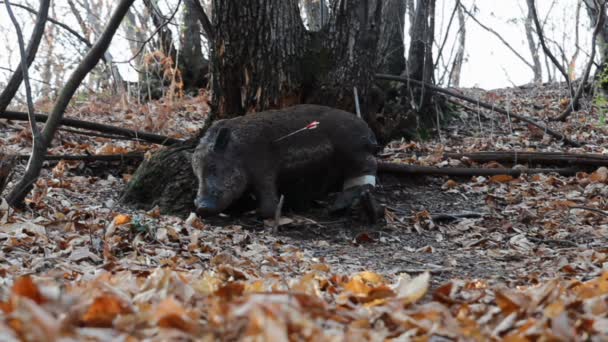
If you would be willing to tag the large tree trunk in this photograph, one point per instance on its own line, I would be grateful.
(257, 54)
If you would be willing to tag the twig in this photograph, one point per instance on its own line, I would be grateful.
(160, 27)
(482, 104)
(357, 107)
(58, 23)
(489, 29)
(277, 214)
(601, 212)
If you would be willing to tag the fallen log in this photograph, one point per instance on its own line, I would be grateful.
(492, 107)
(403, 169)
(89, 157)
(543, 158)
(93, 126)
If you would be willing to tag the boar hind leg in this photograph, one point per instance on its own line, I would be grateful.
(359, 181)
(266, 191)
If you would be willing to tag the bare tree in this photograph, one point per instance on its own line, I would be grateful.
(599, 22)
(34, 166)
(420, 57)
(543, 43)
(15, 81)
(193, 64)
(49, 60)
(459, 57)
(391, 50)
(536, 67)
(577, 48)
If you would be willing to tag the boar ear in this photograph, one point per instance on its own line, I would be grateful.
(221, 141)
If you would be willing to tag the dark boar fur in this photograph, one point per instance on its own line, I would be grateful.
(243, 153)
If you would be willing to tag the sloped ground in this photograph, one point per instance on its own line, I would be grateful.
(526, 264)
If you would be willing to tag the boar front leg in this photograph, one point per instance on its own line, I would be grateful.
(266, 191)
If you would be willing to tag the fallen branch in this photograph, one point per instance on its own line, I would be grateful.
(93, 126)
(530, 121)
(403, 169)
(88, 157)
(544, 158)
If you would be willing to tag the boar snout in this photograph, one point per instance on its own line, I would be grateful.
(206, 207)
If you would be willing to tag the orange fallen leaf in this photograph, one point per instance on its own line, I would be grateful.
(103, 311)
(122, 219)
(506, 304)
(171, 314)
(230, 291)
(25, 287)
(357, 287)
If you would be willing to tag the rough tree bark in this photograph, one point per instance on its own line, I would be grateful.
(23, 187)
(258, 51)
(32, 47)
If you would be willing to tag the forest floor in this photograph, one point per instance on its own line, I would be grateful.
(528, 263)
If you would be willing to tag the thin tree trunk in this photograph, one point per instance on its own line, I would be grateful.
(49, 60)
(91, 59)
(536, 68)
(459, 57)
(548, 53)
(193, 63)
(420, 57)
(32, 47)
